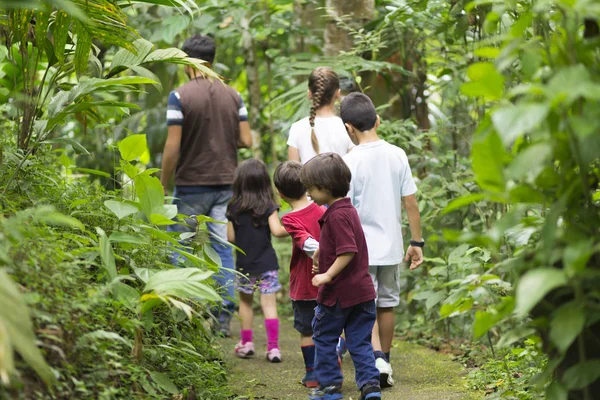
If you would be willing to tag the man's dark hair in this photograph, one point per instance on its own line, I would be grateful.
(287, 180)
(358, 110)
(199, 46)
(327, 171)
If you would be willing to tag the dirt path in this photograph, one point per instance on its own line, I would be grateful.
(420, 373)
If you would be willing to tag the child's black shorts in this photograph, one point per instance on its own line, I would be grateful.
(304, 311)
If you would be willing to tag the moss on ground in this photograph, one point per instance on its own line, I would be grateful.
(420, 373)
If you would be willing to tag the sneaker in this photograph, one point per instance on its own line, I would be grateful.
(245, 350)
(333, 392)
(370, 392)
(310, 379)
(274, 355)
(385, 372)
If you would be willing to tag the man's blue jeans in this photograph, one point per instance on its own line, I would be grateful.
(357, 323)
(212, 202)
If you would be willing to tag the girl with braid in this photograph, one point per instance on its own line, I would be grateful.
(322, 131)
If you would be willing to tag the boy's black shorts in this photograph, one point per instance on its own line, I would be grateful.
(304, 312)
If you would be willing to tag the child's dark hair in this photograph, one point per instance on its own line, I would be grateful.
(199, 46)
(323, 83)
(358, 110)
(252, 192)
(327, 171)
(287, 180)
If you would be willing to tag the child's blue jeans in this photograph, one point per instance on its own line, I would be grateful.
(357, 323)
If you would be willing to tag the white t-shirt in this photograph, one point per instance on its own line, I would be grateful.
(381, 176)
(331, 134)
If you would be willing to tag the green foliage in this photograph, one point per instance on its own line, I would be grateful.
(97, 284)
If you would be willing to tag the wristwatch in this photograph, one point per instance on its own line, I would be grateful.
(414, 243)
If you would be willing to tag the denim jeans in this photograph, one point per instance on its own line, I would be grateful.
(357, 323)
(211, 202)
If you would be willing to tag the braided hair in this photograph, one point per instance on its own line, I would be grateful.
(323, 83)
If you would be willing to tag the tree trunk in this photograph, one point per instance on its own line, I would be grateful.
(356, 12)
(253, 87)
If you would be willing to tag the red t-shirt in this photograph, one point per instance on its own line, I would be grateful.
(301, 225)
(341, 233)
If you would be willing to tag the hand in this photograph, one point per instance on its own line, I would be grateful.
(321, 279)
(315, 269)
(415, 254)
(315, 258)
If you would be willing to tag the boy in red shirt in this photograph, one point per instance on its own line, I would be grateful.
(303, 226)
(345, 301)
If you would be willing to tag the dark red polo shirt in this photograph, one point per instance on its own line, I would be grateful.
(341, 233)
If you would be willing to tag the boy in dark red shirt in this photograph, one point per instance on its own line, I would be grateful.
(345, 301)
(303, 226)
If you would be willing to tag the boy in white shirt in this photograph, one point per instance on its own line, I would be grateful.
(381, 181)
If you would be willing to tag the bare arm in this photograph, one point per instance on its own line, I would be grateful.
(245, 140)
(275, 226)
(338, 266)
(170, 155)
(230, 232)
(415, 254)
(293, 154)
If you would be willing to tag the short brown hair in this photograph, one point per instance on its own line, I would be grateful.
(327, 171)
(287, 180)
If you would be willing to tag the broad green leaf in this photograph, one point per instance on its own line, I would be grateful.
(145, 273)
(536, 284)
(435, 298)
(169, 211)
(567, 323)
(60, 32)
(120, 237)
(464, 201)
(130, 170)
(577, 255)
(212, 255)
(515, 335)
(513, 121)
(107, 256)
(128, 59)
(161, 220)
(150, 193)
(485, 81)
(582, 374)
(489, 158)
(487, 52)
(164, 382)
(530, 162)
(132, 147)
(126, 294)
(186, 283)
(571, 83)
(121, 209)
(483, 322)
(55, 218)
(83, 48)
(141, 71)
(17, 329)
(556, 391)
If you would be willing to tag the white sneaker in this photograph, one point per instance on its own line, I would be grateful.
(385, 373)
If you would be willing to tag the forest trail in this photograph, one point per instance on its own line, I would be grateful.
(420, 373)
